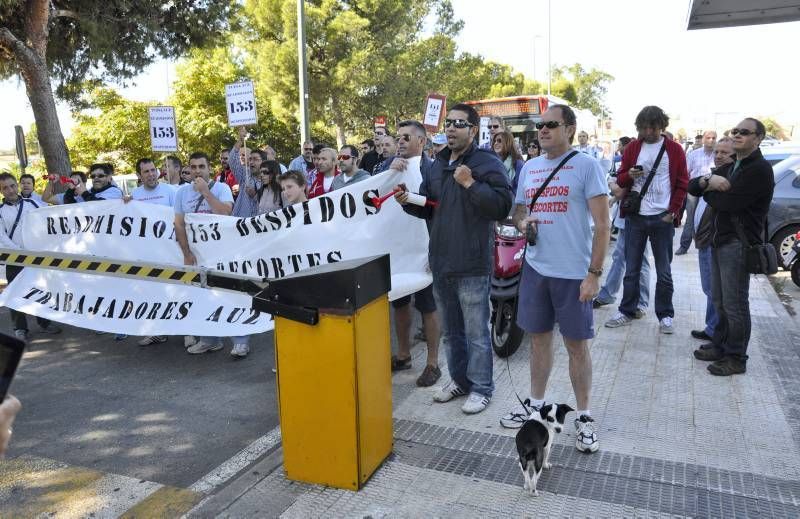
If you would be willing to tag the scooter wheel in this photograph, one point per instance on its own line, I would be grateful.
(506, 335)
(796, 272)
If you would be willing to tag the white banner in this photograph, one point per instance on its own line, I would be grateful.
(163, 130)
(240, 101)
(340, 225)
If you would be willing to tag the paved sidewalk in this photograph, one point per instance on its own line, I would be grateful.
(675, 441)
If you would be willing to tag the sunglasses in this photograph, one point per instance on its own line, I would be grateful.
(493, 126)
(345, 156)
(552, 125)
(532, 146)
(95, 177)
(458, 123)
(186, 172)
(744, 132)
(308, 149)
(497, 140)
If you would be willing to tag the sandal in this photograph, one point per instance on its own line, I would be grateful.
(399, 364)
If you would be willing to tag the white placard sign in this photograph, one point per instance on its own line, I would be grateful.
(484, 134)
(240, 101)
(433, 111)
(163, 130)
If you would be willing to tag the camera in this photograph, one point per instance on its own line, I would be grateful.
(530, 234)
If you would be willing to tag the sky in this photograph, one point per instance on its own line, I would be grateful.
(698, 76)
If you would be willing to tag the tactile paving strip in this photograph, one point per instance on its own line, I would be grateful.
(668, 487)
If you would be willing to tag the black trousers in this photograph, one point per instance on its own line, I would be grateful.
(20, 319)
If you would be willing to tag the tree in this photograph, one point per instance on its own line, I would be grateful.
(80, 40)
(32, 140)
(199, 100)
(774, 129)
(588, 90)
(112, 129)
(352, 51)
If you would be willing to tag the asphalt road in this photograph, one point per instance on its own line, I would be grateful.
(154, 413)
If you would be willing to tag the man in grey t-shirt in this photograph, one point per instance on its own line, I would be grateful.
(561, 272)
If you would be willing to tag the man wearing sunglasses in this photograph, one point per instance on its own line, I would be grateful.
(496, 125)
(348, 165)
(411, 137)
(739, 194)
(103, 187)
(561, 272)
(658, 216)
(471, 189)
(303, 161)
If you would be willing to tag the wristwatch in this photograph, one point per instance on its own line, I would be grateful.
(596, 272)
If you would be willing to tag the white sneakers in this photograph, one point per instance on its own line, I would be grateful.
(618, 320)
(448, 392)
(517, 416)
(586, 440)
(153, 339)
(665, 325)
(240, 350)
(202, 347)
(475, 401)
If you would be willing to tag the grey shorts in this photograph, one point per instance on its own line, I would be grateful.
(544, 301)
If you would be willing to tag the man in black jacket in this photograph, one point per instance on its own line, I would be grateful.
(472, 192)
(739, 193)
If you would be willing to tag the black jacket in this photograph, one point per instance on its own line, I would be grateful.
(748, 199)
(369, 161)
(462, 226)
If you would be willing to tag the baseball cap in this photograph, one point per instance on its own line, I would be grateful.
(439, 139)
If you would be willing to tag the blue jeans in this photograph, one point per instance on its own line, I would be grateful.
(704, 259)
(638, 230)
(617, 270)
(730, 288)
(464, 306)
(688, 223)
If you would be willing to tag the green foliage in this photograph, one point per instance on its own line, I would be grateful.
(32, 140)
(112, 39)
(774, 129)
(585, 88)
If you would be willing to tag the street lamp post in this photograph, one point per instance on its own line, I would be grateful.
(549, 49)
(302, 77)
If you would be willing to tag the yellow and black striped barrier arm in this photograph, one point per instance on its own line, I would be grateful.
(186, 275)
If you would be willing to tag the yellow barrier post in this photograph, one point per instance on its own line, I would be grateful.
(332, 351)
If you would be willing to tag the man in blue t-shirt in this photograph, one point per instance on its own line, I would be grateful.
(561, 272)
(202, 196)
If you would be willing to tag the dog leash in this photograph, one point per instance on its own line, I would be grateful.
(526, 405)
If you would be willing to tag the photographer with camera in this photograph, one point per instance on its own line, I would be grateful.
(654, 169)
(563, 262)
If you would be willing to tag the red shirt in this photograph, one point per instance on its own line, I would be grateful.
(230, 178)
(318, 187)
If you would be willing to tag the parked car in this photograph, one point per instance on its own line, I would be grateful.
(778, 152)
(783, 219)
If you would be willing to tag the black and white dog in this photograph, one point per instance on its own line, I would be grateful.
(535, 439)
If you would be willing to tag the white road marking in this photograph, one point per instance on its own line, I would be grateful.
(243, 458)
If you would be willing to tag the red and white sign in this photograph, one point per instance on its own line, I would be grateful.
(434, 112)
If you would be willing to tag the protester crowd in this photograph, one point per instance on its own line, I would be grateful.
(558, 192)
